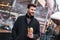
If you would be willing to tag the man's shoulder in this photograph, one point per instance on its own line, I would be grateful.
(36, 20)
(20, 17)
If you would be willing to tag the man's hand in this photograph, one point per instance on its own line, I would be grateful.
(30, 35)
(30, 32)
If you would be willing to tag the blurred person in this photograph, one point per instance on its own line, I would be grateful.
(42, 35)
(5, 16)
(10, 22)
(26, 27)
(50, 30)
(1, 21)
(57, 32)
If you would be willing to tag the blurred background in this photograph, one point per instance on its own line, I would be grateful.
(47, 13)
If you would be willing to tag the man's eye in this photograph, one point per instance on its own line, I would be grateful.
(31, 9)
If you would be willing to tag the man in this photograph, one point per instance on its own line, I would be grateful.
(20, 28)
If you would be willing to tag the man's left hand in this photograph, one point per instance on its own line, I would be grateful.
(30, 35)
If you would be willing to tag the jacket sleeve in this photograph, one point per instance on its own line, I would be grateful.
(14, 30)
(37, 33)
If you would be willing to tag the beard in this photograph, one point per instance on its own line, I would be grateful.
(29, 16)
(30, 13)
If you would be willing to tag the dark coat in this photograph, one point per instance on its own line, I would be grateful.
(19, 31)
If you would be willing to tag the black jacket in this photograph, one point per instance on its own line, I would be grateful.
(19, 31)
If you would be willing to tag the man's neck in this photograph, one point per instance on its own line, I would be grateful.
(28, 16)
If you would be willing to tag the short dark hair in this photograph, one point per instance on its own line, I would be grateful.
(29, 5)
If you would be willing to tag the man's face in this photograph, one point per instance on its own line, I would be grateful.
(31, 11)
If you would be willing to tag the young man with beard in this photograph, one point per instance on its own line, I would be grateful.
(21, 27)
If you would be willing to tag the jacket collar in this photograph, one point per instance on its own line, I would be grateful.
(31, 17)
